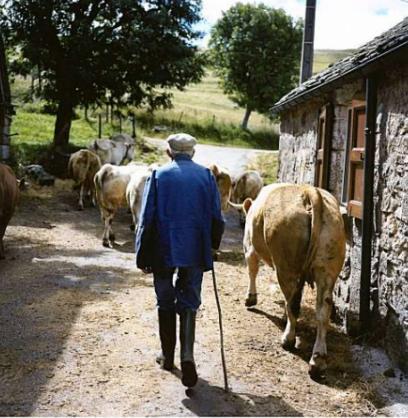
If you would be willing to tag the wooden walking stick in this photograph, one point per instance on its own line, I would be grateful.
(224, 367)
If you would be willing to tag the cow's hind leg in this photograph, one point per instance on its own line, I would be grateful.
(252, 261)
(293, 294)
(81, 197)
(1, 248)
(108, 235)
(2, 232)
(324, 303)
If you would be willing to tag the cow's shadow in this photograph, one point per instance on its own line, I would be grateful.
(341, 371)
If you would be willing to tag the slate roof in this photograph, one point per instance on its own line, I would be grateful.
(381, 46)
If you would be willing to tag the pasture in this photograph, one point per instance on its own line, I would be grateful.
(201, 109)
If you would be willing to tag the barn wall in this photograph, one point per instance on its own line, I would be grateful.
(391, 215)
(389, 287)
(297, 145)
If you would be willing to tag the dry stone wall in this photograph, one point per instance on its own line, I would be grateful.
(390, 267)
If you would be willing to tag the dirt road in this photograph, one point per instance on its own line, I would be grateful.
(79, 330)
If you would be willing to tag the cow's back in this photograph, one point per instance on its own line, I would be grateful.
(9, 193)
(281, 229)
(287, 228)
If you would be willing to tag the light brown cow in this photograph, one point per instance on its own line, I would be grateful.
(9, 196)
(224, 184)
(82, 167)
(297, 230)
(246, 185)
(134, 192)
(111, 183)
(113, 151)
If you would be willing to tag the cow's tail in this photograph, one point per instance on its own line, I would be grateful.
(98, 181)
(313, 203)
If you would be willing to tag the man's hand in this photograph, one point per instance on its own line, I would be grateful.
(147, 270)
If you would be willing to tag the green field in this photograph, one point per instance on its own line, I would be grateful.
(324, 57)
(201, 110)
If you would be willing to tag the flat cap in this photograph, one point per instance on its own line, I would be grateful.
(181, 142)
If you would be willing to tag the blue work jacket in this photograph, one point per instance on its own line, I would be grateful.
(181, 217)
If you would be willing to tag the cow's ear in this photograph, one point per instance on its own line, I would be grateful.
(215, 170)
(247, 205)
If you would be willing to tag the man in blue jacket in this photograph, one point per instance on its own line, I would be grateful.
(180, 223)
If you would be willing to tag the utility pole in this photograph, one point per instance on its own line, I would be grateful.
(306, 65)
(6, 109)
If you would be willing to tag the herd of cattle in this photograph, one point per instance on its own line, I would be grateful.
(297, 230)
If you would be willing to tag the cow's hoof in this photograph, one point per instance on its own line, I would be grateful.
(288, 345)
(132, 227)
(317, 366)
(106, 243)
(251, 300)
(315, 373)
(80, 208)
(112, 238)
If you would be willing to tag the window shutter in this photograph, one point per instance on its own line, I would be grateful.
(324, 136)
(356, 159)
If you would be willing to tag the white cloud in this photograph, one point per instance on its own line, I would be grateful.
(340, 24)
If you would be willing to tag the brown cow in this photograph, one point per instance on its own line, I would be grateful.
(82, 167)
(9, 195)
(224, 184)
(297, 230)
(246, 185)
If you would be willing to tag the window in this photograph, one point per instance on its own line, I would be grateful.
(354, 175)
(324, 134)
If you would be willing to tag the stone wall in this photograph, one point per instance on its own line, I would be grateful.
(297, 145)
(390, 265)
(389, 284)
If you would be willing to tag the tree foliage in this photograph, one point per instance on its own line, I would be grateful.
(256, 52)
(85, 48)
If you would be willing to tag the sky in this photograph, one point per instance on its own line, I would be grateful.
(340, 24)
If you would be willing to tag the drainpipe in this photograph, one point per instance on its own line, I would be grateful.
(368, 204)
(306, 65)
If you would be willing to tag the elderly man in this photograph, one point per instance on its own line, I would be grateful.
(180, 223)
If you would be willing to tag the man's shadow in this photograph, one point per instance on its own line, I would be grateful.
(208, 400)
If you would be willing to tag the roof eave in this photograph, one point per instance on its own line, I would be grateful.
(361, 70)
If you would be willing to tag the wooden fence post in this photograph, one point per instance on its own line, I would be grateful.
(99, 125)
(134, 127)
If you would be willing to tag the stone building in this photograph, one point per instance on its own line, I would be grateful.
(346, 130)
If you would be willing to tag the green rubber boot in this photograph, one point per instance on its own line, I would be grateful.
(167, 331)
(187, 336)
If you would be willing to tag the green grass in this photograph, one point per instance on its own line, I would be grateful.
(206, 101)
(267, 166)
(201, 110)
(324, 57)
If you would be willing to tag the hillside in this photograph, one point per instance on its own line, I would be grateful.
(324, 57)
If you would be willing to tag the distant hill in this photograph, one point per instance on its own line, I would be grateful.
(324, 57)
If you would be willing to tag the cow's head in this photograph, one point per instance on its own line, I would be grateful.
(224, 183)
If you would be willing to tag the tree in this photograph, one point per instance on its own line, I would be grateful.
(87, 48)
(256, 52)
